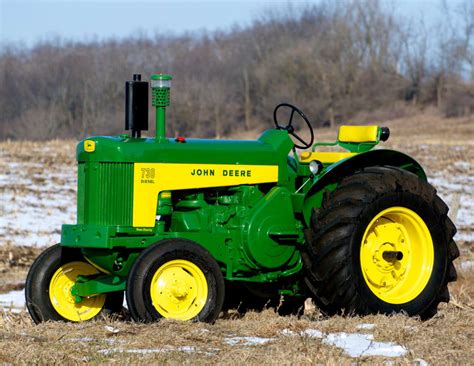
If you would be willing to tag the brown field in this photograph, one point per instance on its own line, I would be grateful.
(37, 185)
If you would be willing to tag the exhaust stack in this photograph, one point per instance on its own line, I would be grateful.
(136, 105)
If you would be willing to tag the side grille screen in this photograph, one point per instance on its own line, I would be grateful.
(108, 193)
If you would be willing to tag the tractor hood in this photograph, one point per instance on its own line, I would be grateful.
(271, 148)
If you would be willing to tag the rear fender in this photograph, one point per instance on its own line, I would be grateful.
(334, 173)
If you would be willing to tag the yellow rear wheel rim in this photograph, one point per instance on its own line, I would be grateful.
(179, 290)
(397, 255)
(64, 302)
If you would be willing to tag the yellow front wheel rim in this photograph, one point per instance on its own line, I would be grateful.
(179, 290)
(397, 255)
(64, 302)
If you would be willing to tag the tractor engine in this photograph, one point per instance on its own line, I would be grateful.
(239, 215)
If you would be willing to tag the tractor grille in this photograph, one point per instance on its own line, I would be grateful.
(105, 193)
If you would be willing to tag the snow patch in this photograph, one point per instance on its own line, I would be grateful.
(112, 330)
(13, 300)
(357, 345)
(35, 202)
(421, 362)
(456, 190)
(82, 339)
(165, 349)
(460, 236)
(313, 333)
(462, 165)
(366, 326)
(354, 344)
(90, 339)
(247, 341)
(467, 264)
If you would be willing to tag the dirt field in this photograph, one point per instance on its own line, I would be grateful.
(37, 187)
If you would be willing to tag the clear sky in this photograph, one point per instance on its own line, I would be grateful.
(27, 22)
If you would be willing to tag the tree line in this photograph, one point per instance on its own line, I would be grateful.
(335, 60)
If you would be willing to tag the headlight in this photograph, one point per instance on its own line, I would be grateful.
(315, 167)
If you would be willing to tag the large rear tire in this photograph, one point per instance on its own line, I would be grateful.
(48, 285)
(381, 243)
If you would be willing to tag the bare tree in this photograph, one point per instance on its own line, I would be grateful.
(333, 59)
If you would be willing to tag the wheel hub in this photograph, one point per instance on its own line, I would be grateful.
(64, 302)
(385, 237)
(174, 284)
(179, 290)
(396, 255)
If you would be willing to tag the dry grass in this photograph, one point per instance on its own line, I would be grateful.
(14, 264)
(439, 145)
(445, 339)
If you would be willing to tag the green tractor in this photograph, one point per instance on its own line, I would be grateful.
(188, 227)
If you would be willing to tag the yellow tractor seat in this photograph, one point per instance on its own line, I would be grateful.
(358, 134)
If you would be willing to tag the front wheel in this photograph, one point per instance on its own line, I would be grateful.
(176, 279)
(382, 243)
(48, 288)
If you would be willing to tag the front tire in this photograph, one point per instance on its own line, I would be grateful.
(48, 284)
(175, 279)
(382, 243)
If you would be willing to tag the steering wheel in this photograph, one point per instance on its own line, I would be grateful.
(289, 127)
